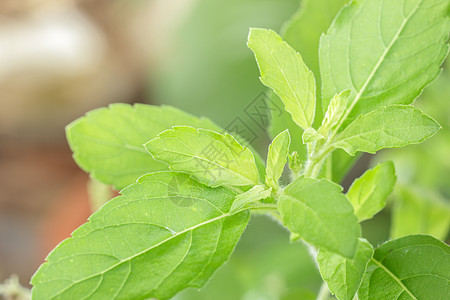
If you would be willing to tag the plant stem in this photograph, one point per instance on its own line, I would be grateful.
(323, 292)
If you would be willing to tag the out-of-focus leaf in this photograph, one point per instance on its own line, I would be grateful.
(368, 193)
(416, 211)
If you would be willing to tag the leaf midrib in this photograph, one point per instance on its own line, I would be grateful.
(399, 282)
(378, 64)
(192, 156)
(302, 109)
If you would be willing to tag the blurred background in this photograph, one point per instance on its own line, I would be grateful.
(60, 59)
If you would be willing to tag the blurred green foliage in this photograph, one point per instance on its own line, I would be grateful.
(209, 70)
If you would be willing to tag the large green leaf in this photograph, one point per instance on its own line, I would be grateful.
(368, 193)
(320, 214)
(214, 159)
(385, 52)
(283, 70)
(416, 211)
(165, 233)
(413, 267)
(344, 276)
(276, 158)
(108, 142)
(387, 127)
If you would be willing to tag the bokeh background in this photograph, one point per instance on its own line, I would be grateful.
(60, 59)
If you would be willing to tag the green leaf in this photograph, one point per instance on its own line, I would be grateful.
(283, 70)
(276, 158)
(165, 233)
(413, 267)
(311, 135)
(294, 162)
(417, 211)
(254, 194)
(334, 112)
(108, 142)
(303, 33)
(214, 159)
(385, 52)
(344, 276)
(368, 193)
(387, 127)
(304, 29)
(318, 212)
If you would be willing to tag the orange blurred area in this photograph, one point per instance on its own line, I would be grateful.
(58, 60)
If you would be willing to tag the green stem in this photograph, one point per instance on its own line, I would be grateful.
(323, 292)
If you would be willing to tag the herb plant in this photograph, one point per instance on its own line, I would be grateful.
(188, 188)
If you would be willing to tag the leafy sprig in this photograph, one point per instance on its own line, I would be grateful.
(197, 186)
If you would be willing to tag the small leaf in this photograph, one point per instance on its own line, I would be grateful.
(311, 135)
(385, 52)
(303, 30)
(294, 162)
(368, 193)
(276, 158)
(254, 194)
(214, 159)
(387, 127)
(416, 211)
(318, 212)
(283, 70)
(334, 113)
(165, 233)
(344, 276)
(413, 267)
(108, 142)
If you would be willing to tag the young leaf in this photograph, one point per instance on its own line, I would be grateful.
(413, 267)
(303, 33)
(294, 162)
(165, 233)
(283, 70)
(311, 135)
(387, 127)
(214, 159)
(368, 193)
(344, 276)
(334, 112)
(385, 52)
(416, 211)
(256, 193)
(276, 158)
(108, 142)
(322, 216)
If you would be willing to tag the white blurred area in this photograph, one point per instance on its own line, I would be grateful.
(59, 59)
